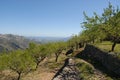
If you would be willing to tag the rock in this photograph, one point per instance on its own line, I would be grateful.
(68, 71)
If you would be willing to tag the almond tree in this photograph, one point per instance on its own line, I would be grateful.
(3, 61)
(91, 27)
(111, 24)
(105, 26)
(20, 62)
(57, 48)
(39, 52)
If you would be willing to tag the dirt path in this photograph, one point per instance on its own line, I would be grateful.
(39, 76)
(46, 76)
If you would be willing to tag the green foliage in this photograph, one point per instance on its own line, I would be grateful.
(105, 26)
(92, 28)
(86, 70)
(111, 18)
(32, 45)
(3, 61)
(58, 47)
(21, 61)
(37, 52)
(74, 42)
(83, 36)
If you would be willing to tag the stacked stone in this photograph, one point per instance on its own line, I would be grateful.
(68, 71)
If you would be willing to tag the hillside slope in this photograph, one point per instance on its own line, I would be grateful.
(10, 42)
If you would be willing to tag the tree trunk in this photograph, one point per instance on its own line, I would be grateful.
(76, 46)
(39, 61)
(37, 64)
(113, 46)
(19, 75)
(56, 59)
(81, 45)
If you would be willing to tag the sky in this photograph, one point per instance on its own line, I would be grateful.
(56, 18)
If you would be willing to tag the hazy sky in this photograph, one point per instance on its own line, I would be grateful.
(47, 17)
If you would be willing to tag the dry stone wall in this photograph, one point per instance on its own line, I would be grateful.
(109, 61)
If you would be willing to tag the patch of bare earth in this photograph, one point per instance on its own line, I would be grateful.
(42, 73)
(39, 76)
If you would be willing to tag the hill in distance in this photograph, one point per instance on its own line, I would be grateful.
(11, 42)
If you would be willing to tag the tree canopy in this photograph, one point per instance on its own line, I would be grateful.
(104, 26)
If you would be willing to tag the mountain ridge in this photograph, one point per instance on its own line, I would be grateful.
(9, 42)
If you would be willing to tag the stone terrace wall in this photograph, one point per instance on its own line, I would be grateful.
(110, 62)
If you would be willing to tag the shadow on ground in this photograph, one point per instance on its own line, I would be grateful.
(97, 64)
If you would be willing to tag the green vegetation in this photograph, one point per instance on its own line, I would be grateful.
(3, 61)
(24, 61)
(88, 72)
(19, 61)
(106, 46)
(103, 27)
(38, 53)
(85, 69)
(58, 48)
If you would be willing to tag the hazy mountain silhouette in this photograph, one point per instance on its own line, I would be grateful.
(10, 42)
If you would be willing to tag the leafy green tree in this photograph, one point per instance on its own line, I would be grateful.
(70, 43)
(32, 45)
(91, 26)
(111, 24)
(39, 52)
(20, 62)
(83, 37)
(74, 42)
(105, 26)
(58, 47)
(3, 61)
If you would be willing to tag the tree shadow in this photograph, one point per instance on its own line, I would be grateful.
(97, 64)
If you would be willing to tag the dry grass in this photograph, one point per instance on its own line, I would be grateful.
(39, 74)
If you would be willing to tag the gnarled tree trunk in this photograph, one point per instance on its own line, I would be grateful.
(19, 75)
(113, 46)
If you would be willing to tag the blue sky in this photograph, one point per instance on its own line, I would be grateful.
(59, 18)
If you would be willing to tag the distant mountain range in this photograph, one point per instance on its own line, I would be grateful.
(10, 42)
(49, 39)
